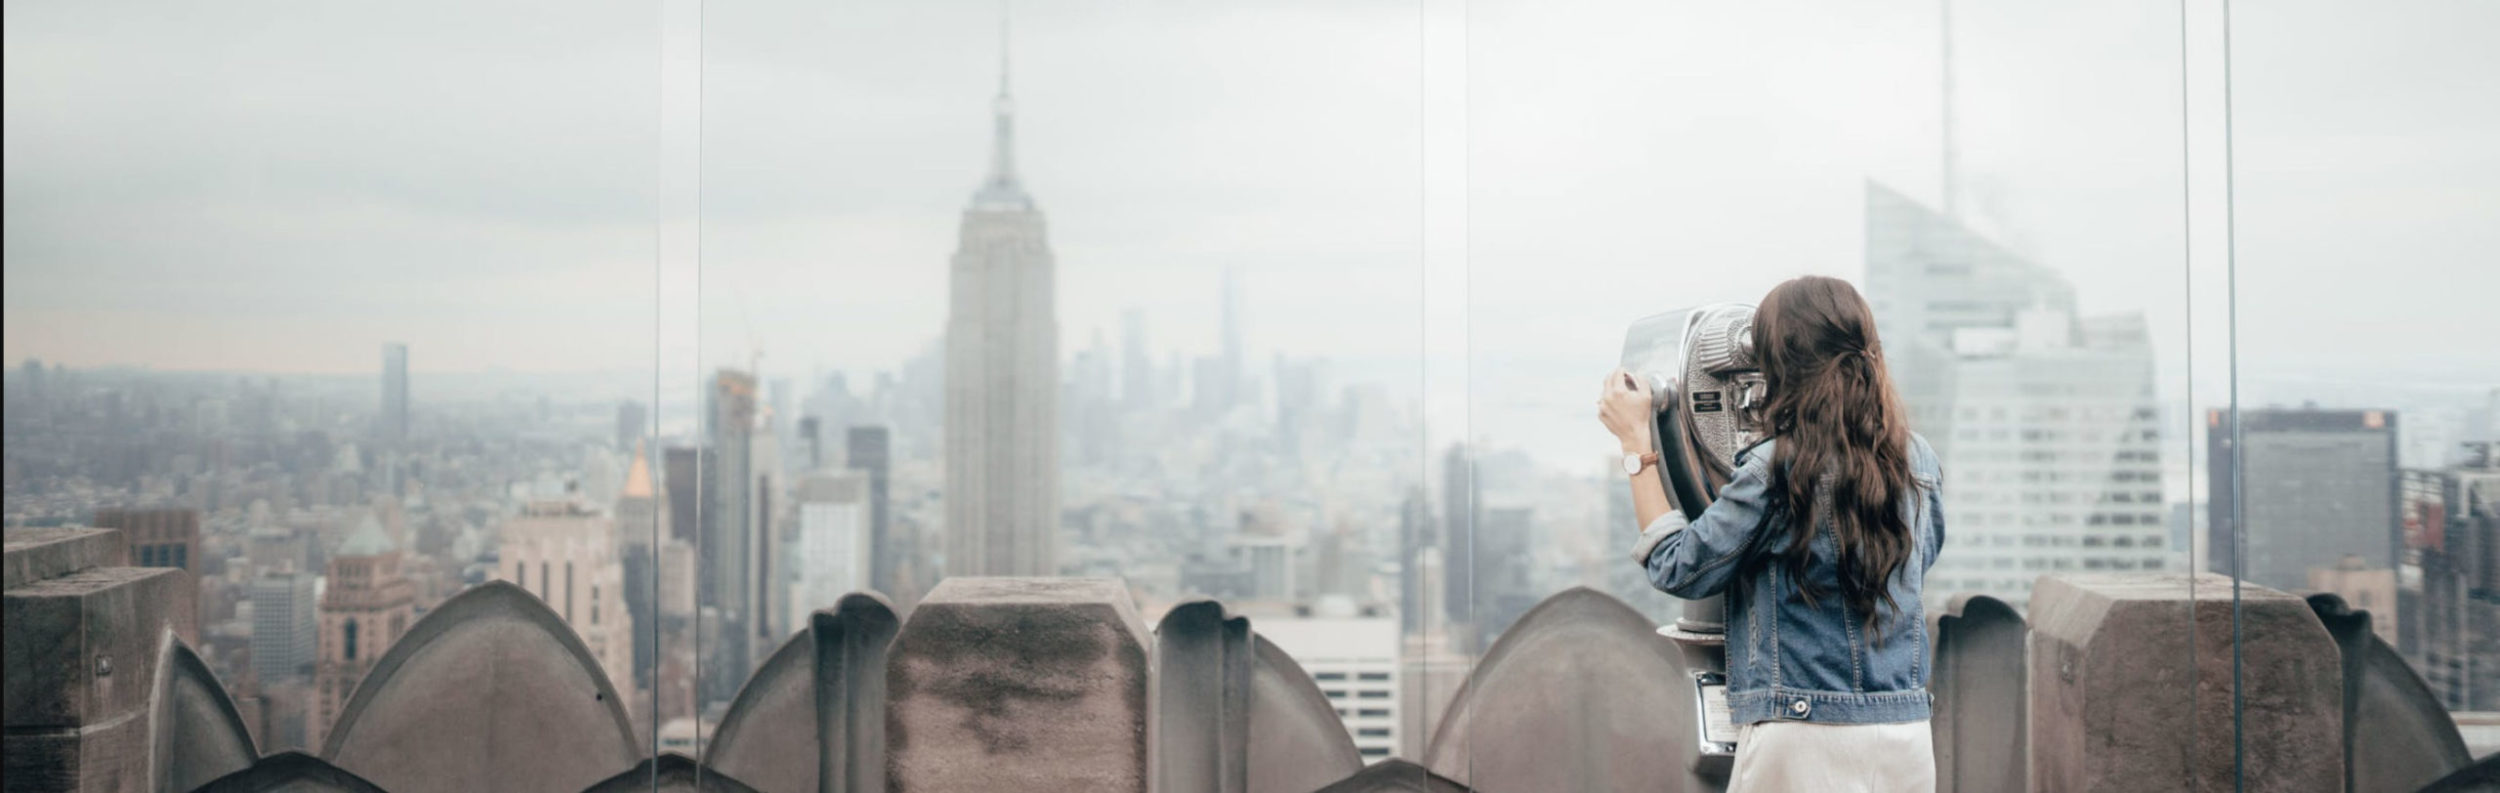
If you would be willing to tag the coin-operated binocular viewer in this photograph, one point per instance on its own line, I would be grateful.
(1707, 391)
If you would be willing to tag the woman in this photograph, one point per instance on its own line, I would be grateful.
(1821, 544)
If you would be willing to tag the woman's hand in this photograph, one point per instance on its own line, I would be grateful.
(1623, 405)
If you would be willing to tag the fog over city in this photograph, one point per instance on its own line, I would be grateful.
(674, 325)
(1488, 189)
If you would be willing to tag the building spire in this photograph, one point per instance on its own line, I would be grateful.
(1003, 190)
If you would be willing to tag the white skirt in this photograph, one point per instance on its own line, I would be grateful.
(1783, 756)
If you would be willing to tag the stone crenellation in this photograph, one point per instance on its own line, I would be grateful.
(1056, 684)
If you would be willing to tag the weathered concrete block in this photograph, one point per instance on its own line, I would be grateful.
(106, 757)
(1033, 684)
(2131, 687)
(82, 647)
(34, 554)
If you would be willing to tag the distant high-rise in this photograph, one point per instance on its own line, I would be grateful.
(1228, 382)
(2317, 485)
(1458, 526)
(732, 540)
(2047, 421)
(1354, 659)
(2452, 620)
(830, 553)
(812, 442)
(682, 470)
(1505, 583)
(393, 424)
(283, 626)
(1271, 562)
(871, 450)
(566, 554)
(639, 513)
(1002, 378)
(37, 389)
(1416, 534)
(632, 424)
(1137, 367)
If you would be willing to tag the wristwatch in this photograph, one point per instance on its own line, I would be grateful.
(1634, 463)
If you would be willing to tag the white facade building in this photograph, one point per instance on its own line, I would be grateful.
(1354, 659)
(2048, 424)
(567, 556)
(830, 543)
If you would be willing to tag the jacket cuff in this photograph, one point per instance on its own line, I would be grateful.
(1657, 532)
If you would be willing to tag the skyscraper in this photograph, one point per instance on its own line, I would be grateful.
(393, 424)
(1137, 368)
(1228, 382)
(871, 450)
(730, 542)
(830, 549)
(282, 626)
(639, 511)
(1416, 534)
(682, 471)
(632, 423)
(2317, 486)
(2454, 616)
(2047, 421)
(1002, 377)
(1457, 535)
(1354, 659)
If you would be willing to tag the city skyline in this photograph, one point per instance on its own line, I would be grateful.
(687, 328)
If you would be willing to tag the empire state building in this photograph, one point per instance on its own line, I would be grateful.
(1002, 378)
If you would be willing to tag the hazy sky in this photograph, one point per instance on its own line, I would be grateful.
(1487, 191)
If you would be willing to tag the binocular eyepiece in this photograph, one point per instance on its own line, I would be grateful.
(1707, 390)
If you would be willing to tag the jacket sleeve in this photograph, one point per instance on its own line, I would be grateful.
(1687, 562)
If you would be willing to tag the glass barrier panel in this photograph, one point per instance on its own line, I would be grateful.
(347, 313)
(2366, 364)
(2001, 185)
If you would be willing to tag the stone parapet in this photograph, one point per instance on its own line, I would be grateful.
(2131, 681)
(35, 554)
(1036, 684)
(85, 638)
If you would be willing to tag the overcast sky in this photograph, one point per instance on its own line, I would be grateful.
(1485, 191)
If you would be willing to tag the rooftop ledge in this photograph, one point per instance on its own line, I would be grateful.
(1055, 684)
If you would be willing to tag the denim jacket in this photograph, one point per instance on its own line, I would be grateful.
(1787, 660)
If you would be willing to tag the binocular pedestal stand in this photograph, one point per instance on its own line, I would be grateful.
(1701, 636)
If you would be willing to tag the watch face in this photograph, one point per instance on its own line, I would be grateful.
(1631, 464)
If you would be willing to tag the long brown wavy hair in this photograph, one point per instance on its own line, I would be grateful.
(1841, 430)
